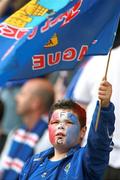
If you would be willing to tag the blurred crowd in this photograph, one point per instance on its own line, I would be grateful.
(24, 106)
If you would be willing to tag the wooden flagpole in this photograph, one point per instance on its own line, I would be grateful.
(105, 77)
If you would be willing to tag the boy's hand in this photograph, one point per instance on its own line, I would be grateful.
(104, 93)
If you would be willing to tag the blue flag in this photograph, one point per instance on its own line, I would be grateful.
(46, 35)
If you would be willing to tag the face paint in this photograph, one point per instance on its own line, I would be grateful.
(60, 141)
(64, 127)
(72, 134)
(51, 130)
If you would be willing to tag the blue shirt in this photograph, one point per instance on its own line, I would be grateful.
(86, 163)
(47, 167)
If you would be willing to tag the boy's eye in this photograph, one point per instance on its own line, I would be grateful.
(69, 122)
(54, 122)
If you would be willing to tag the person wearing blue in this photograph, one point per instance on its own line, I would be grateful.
(32, 103)
(67, 126)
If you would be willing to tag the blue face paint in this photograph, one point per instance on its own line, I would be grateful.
(72, 135)
(73, 130)
(72, 117)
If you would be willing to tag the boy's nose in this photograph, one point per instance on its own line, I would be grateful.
(61, 126)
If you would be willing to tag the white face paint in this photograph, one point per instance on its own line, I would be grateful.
(60, 141)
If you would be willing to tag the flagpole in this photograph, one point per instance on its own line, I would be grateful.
(105, 78)
(108, 61)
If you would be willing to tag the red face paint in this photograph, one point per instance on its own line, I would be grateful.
(53, 126)
(51, 129)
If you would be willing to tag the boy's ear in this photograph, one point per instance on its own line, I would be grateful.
(82, 133)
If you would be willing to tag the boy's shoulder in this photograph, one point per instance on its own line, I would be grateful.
(32, 164)
(41, 156)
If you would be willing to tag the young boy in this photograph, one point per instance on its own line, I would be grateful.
(67, 126)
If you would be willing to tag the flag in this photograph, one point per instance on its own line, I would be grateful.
(46, 35)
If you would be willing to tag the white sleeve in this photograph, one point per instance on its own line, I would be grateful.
(90, 79)
(82, 88)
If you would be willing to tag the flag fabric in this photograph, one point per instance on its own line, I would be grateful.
(46, 35)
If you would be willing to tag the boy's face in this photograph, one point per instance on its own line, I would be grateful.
(64, 128)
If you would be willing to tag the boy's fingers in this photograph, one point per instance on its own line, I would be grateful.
(105, 92)
(105, 83)
(101, 97)
(102, 88)
(101, 93)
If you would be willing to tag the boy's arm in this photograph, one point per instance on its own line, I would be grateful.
(99, 142)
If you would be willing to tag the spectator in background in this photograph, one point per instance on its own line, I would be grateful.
(86, 93)
(60, 79)
(17, 4)
(5, 9)
(8, 7)
(33, 102)
(3, 136)
(10, 119)
(4, 4)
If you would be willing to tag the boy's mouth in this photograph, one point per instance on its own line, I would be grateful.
(60, 134)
